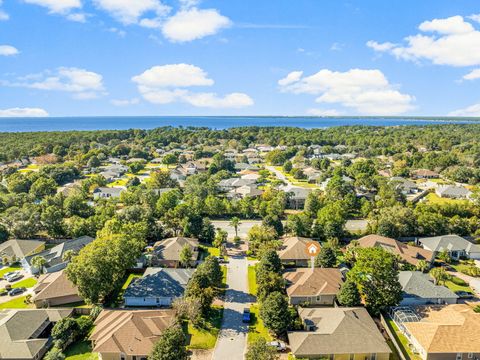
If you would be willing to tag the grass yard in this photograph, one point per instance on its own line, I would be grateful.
(205, 339)
(81, 350)
(120, 182)
(433, 198)
(26, 283)
(256, 329)
(17, 303)
(252, 281)
(14, 267)
(454, 287)
(401, 340)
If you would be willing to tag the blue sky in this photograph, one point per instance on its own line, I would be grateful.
(239, 57)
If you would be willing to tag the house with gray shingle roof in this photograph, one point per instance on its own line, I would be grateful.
(338, 333)
(419, 289)
(108, 192)
(158, 287)
(453, 192)
(16, 250)
(25, 334)
(455, 245)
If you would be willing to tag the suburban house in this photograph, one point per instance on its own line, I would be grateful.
(16, 250)
(296, 196)
(157, 287)
(129, 334)
(313, 287)
(55, 289)
(448, 332)
(55, 255)
(25, 334)
(167, 252)
(419, 289)
(108, 192)
(244, 192)
(456, 246)
(233, 183)
(425, 174)
(338, 334)
(404, 185)
(294, 251)
(409, 254)
(177, 175)
(453, 192)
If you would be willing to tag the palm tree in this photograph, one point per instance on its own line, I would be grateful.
(38, 262)
(68, 255)
(235, 223)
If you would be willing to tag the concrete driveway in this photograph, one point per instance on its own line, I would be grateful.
(278, 174)
(232, 339)
(3, 283)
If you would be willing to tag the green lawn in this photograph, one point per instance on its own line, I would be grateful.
(27, 283)
(130, 279)
(455, 287)
(17, 303)
(252, 281)
(14, 267)
(401, 340)
(256, 329)
(206, 338)
(433, 198)
(81, 350)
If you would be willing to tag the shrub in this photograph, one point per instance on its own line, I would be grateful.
(458, 281)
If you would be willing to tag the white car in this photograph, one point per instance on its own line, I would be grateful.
(11, 277)
(278, 345)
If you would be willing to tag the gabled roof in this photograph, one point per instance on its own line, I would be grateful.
(313, 282)
(447, 329)
(410, 254)
(18, 338)
(294, 248)
(19, 248)
(169, 249)
(160, 282)
(449, 243)
(453, 190)
(54, 285)
(296, 192)
(420, 285)
(132, 332)
(337, 331)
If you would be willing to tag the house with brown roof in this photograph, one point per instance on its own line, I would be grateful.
(55, 289)
(129, 334)
(338, 334)
(424, 174)
(166, 253)
(450, 332)
(25, 334)
(294, 251)
(317, 286)
(407, 253)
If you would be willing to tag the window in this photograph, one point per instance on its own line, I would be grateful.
(470, 355)
(459, 356)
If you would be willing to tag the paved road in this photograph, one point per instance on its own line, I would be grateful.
(243, 229)
(232, 340)
(278, 174)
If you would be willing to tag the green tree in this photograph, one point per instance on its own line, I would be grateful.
(170, 159)
(186, 256)
(376, 274)
(200, 288)
(439, 275)
(273, 312)
(170, 346)
(445, 256)
(349, 294)
(65, 331)
(212, 269)
(326, 258)
(54, 354)
(42, 187)
(52, 221)
(94, 162)
(235, 223)
(260, 236)
(422, 266)
(287, 167)
(38, 262)
(260, 350)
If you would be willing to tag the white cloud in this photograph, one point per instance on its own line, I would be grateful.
(472, 75)
(125, 102)
(451, 43)
(170, 83)
(365, 91)
(474, 17)
(7, 50)
(323, 112)
(77, 17)
(81, 83)
(191, 24)
(471, 111)
(132, 11)
(3, 15)
(23, 112)
(57, 6)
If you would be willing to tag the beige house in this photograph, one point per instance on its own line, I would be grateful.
(55, 289)
(166, 252)
(450, 332)
(129, 334)
(16, 250)
(294, 251)
(318, 286)
(338, 334)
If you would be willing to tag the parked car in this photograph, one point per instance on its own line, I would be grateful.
(278, 345)
(246, 315)
(8, 274)
(464, 294)
(14, 277)
(17, 291)
(221, 260)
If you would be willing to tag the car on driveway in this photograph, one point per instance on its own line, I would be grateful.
(464, 294)
(278, 345)
(17, 291)
(13, 276)
(246, 317)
